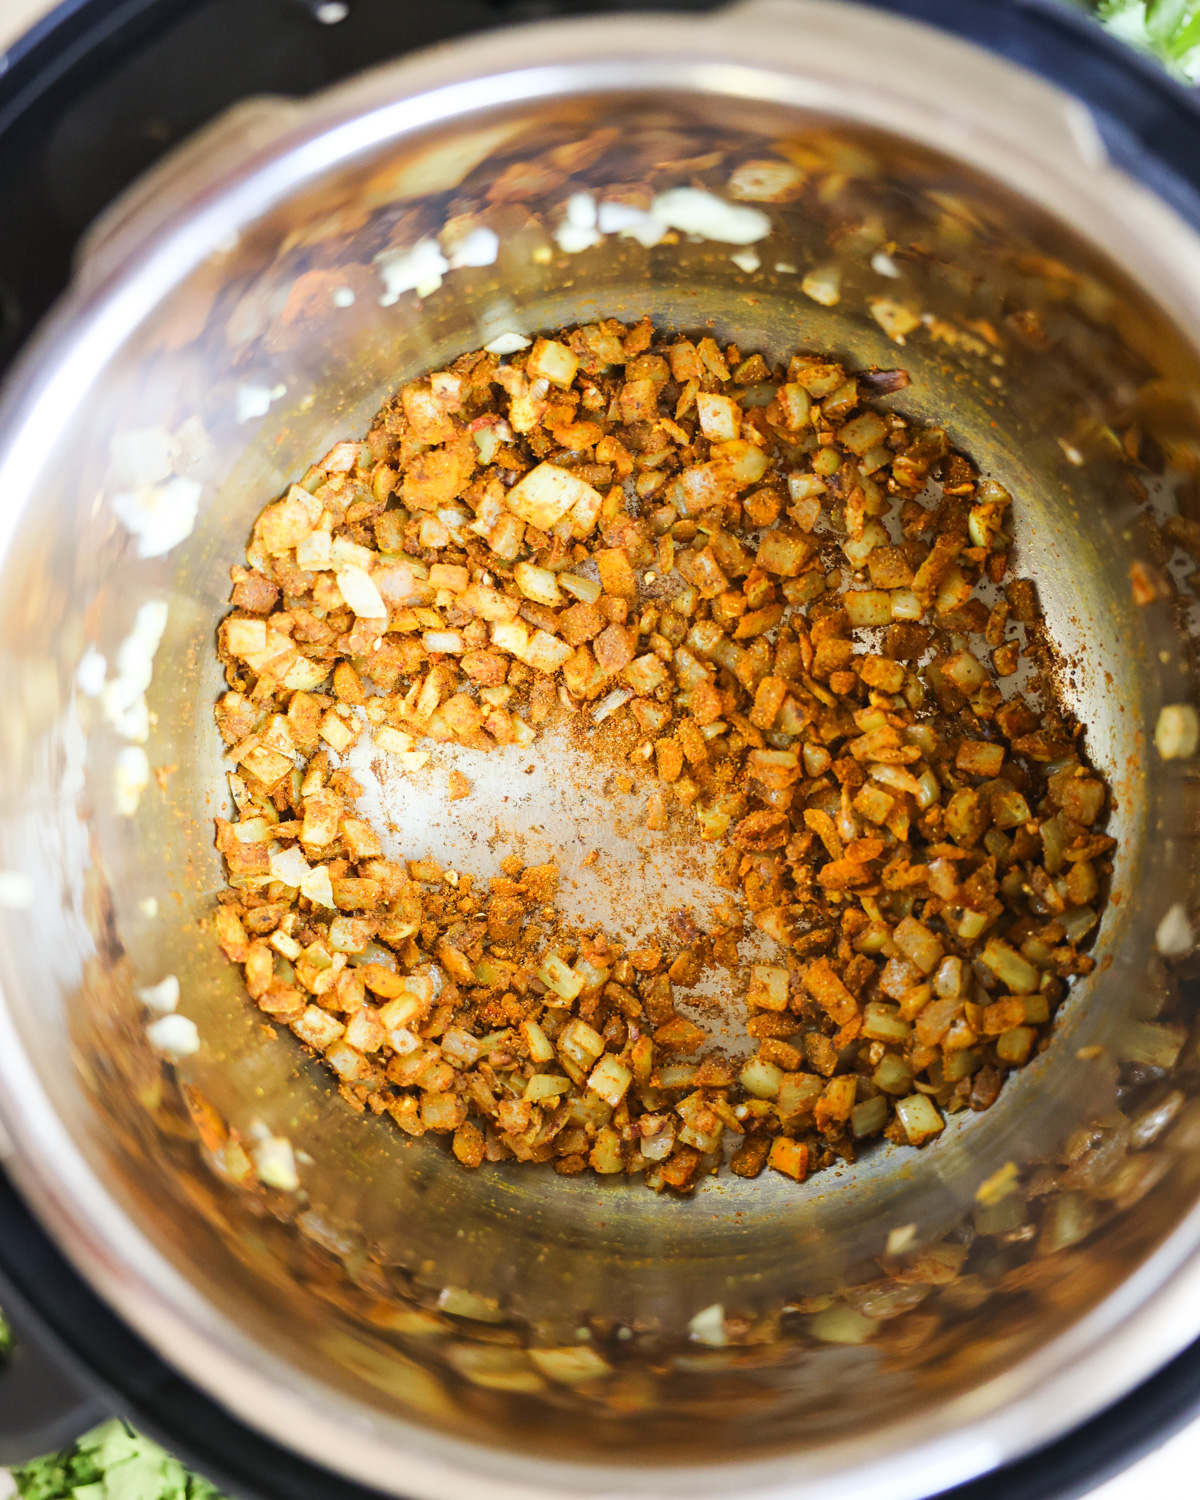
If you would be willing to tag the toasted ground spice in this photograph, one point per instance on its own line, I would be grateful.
(785, 608)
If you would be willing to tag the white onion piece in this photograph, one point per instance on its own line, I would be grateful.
(449, 642)
(275, 1161)
(175, 1037)
(708, 1327)
(317, 886)
(163, 997)
(507, 343)
(1177, 733)
(1174, 936)
(360, 593)
(290, 866)
(695, 211)
(610, 703)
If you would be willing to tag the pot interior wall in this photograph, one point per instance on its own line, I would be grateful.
(1034, 352)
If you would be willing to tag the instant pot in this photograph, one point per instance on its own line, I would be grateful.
(376, 1325)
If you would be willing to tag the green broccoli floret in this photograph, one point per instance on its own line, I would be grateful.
(112, 1462)
(1167, 29)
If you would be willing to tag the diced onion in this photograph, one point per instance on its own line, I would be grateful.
(586, 589)
(161, 998)
(290, 867)
(360, 593)
(1177, 732)
(174, 1036)
(449, 642)
(609, 704)
(1174, 935)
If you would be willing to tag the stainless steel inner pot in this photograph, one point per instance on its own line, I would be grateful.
(232, 319)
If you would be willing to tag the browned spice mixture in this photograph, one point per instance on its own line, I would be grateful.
(663, 530)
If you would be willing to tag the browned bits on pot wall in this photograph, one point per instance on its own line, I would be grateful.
(785, 610)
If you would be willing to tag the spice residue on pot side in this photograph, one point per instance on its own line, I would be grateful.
(777, 614)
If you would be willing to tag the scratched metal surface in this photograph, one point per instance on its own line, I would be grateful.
(547, 1249)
